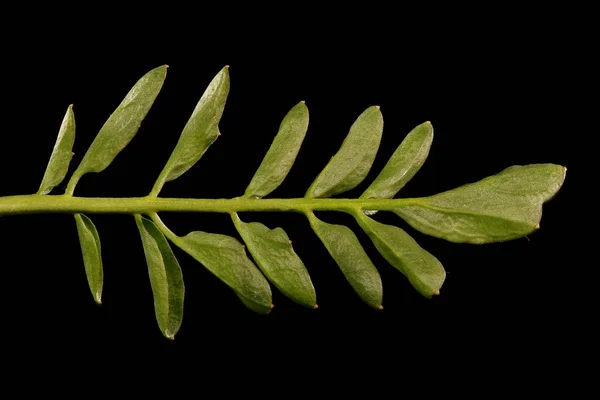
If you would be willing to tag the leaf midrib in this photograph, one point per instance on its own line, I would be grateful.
(445, 210)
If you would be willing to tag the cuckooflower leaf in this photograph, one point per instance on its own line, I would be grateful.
(122, 125)
(92, 256)
(166, 278)
(505, 206)
(282, 153)
(226, 258)
(273, 252)
(346, 250)
(498, 208)
(201, 130)
(351, 164)
(422, 269)
(61, 154)
(403, 164)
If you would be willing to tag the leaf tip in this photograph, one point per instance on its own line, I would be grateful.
(302, 101)
(272, 306)
(377, 107)
(98, 296)
(436, 293)
(226, 67)
(169, 335)
(162, 70)
(537, 226)
(380, 307)
(315, 306)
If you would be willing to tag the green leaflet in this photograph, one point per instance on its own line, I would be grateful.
(273, 252)
(166, 278)
(422, 269)
(226, 258)
(122, 125)
(92, 256)
(61, 154)
(346, 250)
(403, 164)
(351, 164)
(504, 206)
(201, 130)
(282, 153)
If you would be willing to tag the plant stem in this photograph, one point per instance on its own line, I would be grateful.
(35, 204)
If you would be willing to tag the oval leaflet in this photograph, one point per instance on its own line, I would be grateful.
(165, 275)
(121, 126)
(282, 153)
(89, 241)
(353, 161)
(58, 166)
(273, 252)
(344, 247)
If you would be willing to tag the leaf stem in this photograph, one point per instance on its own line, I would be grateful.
(158, 185)
(163, 228)
(35, 204)
(72, 183)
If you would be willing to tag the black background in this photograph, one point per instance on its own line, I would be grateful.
(496, 88)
